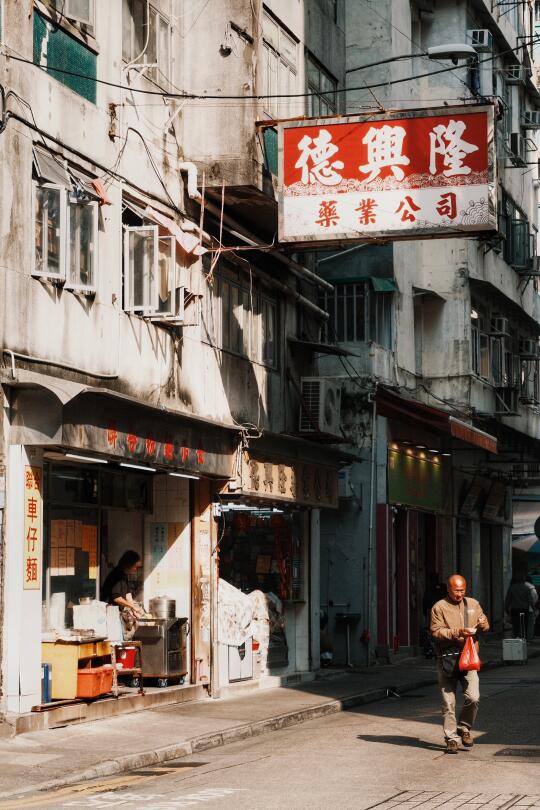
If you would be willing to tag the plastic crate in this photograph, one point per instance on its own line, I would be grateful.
(94, 681)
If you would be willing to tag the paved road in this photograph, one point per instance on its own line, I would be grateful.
(388, 755)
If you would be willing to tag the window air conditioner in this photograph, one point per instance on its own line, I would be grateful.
(518, 149)
(528, 349)
(531, 119)
(515, 74)
(480, 38)
(499, 326)
(320, 406)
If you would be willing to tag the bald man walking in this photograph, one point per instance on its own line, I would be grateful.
(453, 619)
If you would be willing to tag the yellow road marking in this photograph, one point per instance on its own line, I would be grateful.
(88, 789)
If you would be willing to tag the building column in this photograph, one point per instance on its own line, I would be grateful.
(23, 593)
(315, 589)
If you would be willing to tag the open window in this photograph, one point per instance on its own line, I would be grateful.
(152, 284)
(65, 215)
(81, 11)
(146, 38)
(82, 235)
(49, 227)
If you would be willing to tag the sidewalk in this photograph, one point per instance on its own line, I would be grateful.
(46, 760)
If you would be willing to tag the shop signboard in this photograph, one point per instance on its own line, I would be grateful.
(407, 174)
(304, 484)
(146, 435)
(415, 480)
(33, 528)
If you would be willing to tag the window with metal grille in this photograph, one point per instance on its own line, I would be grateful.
(358, 313)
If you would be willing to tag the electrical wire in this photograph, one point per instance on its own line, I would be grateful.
(259, 97)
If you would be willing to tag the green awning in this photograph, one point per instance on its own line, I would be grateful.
(383, 284)
(378, 284)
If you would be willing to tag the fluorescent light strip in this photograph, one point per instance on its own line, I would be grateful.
(137, 467)
(185, 475)
(89, 459)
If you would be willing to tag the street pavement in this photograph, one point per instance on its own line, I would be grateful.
(387, 754)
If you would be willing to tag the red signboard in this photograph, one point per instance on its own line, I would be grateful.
(403, 174)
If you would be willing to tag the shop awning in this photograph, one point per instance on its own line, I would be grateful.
(50, 168)
(378, 284)
(320, 348)
(187, 241)
(393, 406)
(427, 295)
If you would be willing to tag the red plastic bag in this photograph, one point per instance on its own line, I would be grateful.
(469, 659)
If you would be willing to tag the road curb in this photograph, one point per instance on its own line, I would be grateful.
(206, 742)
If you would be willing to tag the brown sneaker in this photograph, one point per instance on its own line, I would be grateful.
(466, 739)
(451, 747)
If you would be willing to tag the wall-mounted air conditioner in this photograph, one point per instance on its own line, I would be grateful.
(531, 119)
(518, 149)
(480, 38)
(529, 349)
(499, 326)
(320, 407)
(515, 74)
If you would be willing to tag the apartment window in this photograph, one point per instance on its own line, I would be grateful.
(52, 43)
(152, 283)
(82, 230)
(146, 39)
(321, 82)
(65, 224)
(242, 319)
(279, 68)
(358, 313)
(519, 242)
(49, 225)
(78, 12)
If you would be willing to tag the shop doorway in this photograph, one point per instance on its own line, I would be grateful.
(263, 590)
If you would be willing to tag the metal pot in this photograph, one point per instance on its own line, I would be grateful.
(161, 607)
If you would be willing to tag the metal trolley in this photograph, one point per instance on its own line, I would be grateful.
(164, 649)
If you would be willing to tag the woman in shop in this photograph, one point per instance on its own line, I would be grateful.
(116, 590)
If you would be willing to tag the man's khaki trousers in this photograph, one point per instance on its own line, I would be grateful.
(470, 684)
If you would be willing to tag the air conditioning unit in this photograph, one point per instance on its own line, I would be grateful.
(518, 149)
(506, 401)
(531, 119)
(515, 74)
(499, 326)
(529, 349)
(320, 407)
(481, 39)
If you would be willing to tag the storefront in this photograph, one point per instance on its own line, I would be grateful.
(115, 477)
(268, 597)
(418, 526)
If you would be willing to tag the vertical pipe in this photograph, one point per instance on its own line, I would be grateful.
(372, 502)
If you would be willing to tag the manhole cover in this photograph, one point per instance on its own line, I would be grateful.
(519, 752)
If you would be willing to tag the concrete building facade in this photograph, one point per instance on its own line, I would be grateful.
(149, 368)
(458, 336)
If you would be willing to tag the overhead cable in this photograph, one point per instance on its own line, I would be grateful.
(261, 96)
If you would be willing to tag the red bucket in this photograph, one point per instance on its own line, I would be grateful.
(127, 656)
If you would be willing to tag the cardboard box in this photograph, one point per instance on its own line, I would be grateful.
(77, 534)
(70, 562)
(54, 562)
(70, 533)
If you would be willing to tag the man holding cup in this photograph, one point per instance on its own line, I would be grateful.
(453, 620)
